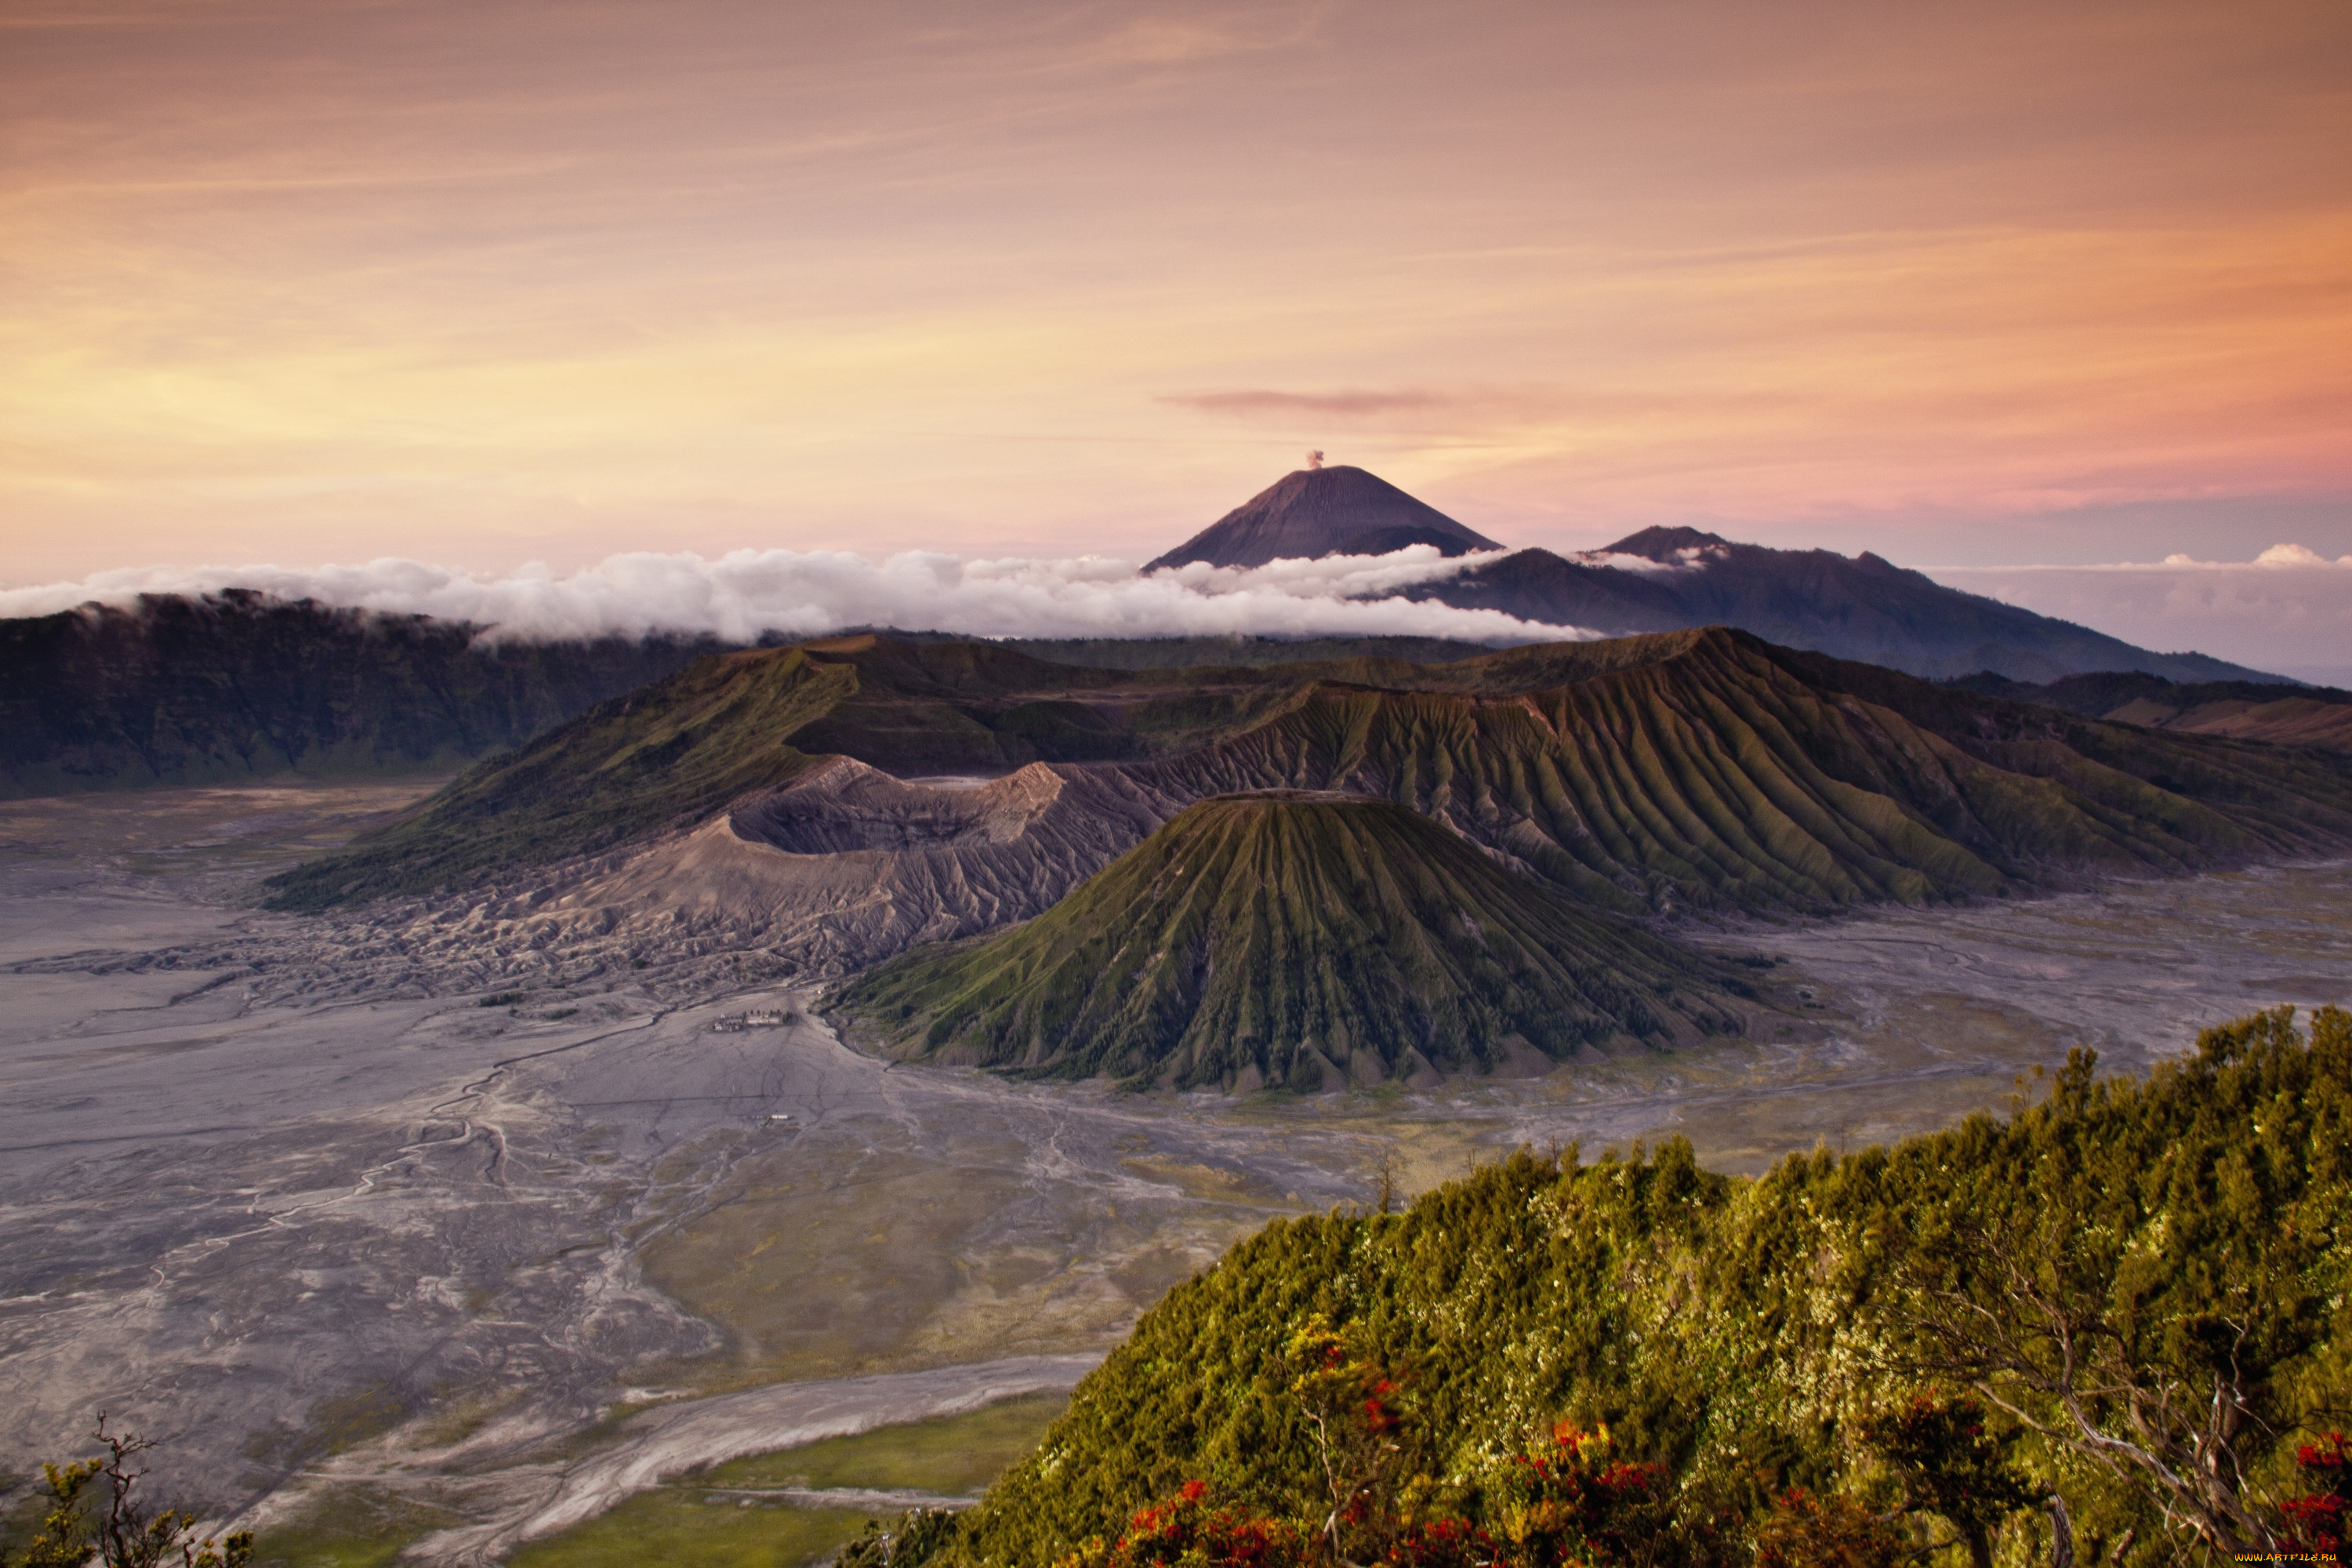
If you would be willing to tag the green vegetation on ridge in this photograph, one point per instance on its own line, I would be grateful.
(2142, 1290)
(1291, 940)
(234, 686)
(667, 755)
(1646, 775)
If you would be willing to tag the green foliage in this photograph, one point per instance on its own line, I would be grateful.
(1802, 1530)
(94, 1514)
(1950, 1461)
(917, 1535)
(1278, 934)
(1755, 1337)
(659, 757)
(1570, 1500)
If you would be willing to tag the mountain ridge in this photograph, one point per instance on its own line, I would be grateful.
(1691, 773)
(1863, 607)
(234, 685)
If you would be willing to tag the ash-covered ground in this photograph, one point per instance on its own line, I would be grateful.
(482, 1242)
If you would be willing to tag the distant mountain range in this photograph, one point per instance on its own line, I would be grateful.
(234, 685)
(1669, 579)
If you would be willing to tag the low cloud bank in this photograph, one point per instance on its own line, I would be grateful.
(749, 593)
(2288, 610)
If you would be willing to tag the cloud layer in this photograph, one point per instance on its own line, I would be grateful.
(2289, 610)
(741, 596)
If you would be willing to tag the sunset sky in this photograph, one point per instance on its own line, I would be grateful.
(505, 280)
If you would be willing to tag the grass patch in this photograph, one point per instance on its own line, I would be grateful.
(693, 1523)
(678, 1527)
(356, 1528)
(954, 1456)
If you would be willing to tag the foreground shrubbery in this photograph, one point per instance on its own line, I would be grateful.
(2109, 1330)
(94, 1518)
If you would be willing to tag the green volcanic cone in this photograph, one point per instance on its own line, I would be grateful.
(1298, 939)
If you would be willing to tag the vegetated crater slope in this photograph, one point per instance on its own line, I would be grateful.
(2242, 710)
(1701, 770)
(1299, 938)
(1722, 773)
(234, 686)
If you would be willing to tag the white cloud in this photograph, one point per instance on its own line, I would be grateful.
(749, 591)
(1690, 558)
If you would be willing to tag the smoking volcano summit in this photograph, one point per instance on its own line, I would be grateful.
(1321, 512)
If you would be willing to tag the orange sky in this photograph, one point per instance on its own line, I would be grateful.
(485, 282)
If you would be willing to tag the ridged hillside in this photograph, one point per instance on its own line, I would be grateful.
(1719, 772)
(1856, 607)
(1650, 775)
(2242, 709)
(668, 755)
(1292, 940)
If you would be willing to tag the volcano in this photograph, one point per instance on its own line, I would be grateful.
(1317, 512)
(1299, 938)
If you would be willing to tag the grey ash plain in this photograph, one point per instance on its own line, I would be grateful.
(283, 1193)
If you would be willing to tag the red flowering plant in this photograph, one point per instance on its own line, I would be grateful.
(1187, 1532)
(1950, 1463)
(1440, 1543)
(2315, 1518)
(1572, 1501)
(1365, 1427)
(1802, 1531)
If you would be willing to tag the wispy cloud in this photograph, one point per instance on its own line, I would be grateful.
(1337, 404)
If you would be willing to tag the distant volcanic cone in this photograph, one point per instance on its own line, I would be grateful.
(1317, 512)
(1292, 938)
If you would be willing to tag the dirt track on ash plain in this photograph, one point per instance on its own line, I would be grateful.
(330, 1226)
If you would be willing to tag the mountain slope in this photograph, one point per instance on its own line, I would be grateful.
(661, 757)
(2242, 709)
(716, 734)
(1864, 608)
(235, 685)
(1739, 1332)
(1644, 776)
(1290, 938)
(1721, 772)
(1315, 513)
